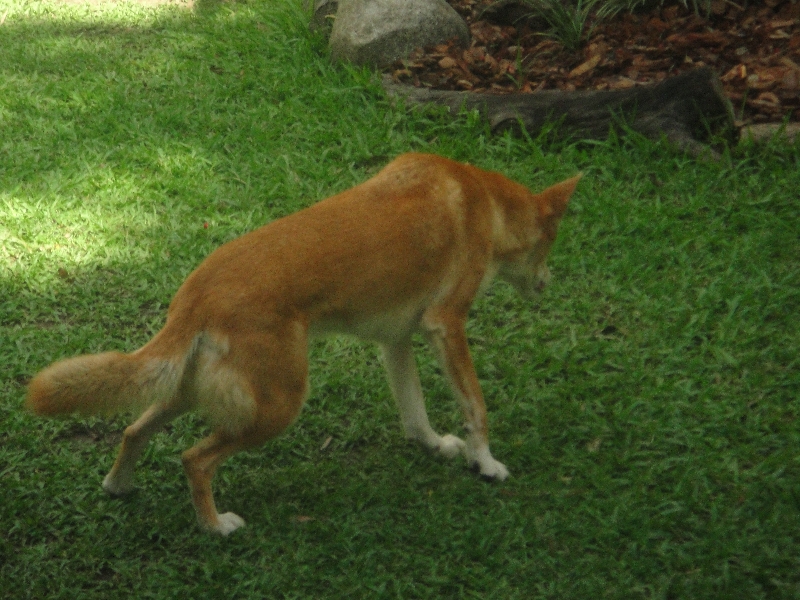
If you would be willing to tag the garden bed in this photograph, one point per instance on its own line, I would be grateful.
(754, 50)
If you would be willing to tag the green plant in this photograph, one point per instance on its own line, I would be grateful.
(573, 23)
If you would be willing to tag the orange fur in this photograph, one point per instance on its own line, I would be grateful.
(404, 252)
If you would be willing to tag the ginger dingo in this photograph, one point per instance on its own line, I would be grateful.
(404, 252)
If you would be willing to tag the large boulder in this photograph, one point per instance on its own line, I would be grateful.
(378, 32)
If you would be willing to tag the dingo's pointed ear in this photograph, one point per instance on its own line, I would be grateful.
(553, 201)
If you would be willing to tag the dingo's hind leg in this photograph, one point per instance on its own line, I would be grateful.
(272, 369)
(119, 480)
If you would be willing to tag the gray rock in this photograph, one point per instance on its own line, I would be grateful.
(378, 32)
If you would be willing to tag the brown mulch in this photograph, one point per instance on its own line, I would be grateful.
(755, 50)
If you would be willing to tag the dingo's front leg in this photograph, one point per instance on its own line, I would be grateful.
(401, 370)
(447, 336)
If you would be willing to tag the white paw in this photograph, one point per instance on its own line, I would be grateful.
(117, 486)
(227, 523)
(450, 446)
(493, 469)
(487, 466)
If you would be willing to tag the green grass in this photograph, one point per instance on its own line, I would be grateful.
(646, 406)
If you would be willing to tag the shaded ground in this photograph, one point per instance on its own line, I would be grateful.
(755, 50)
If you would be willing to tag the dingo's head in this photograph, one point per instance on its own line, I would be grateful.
(526, 267)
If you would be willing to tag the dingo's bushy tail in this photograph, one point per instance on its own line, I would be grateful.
(105, 383)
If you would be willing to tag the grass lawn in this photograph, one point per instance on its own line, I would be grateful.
(646, 406)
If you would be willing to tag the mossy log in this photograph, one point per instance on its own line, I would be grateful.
(690, 109)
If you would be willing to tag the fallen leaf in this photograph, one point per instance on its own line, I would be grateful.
(682, 40)
(781, 24)
(768, 97)
(447, 63)
(623, 83)
(737, 72)
(585, 67)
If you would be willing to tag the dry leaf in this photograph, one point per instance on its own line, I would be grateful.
(737, 72)
(769, 98)
(623, 83)
(585, 67)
